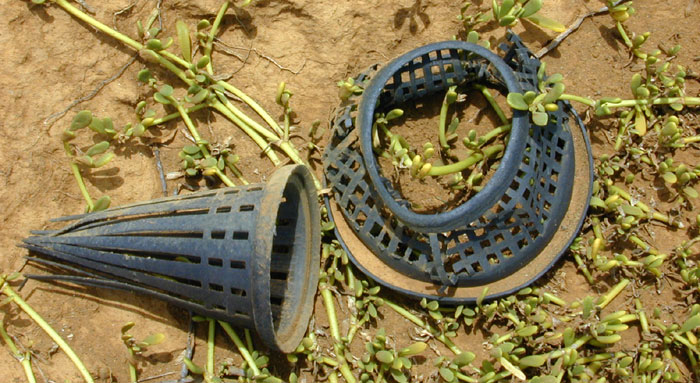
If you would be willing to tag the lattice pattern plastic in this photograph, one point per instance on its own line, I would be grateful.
(502, 239)
(246, 255)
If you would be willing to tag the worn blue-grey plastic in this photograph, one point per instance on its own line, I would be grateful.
(247, 255)
(506, 235)
(421, 73)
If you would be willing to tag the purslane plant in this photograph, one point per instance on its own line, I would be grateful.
(203, 89)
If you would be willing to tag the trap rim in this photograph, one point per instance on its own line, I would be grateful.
(303, 279)
(492, 191)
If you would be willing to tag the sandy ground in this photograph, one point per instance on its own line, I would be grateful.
(52, 59)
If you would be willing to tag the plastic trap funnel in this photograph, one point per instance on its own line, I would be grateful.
(503, 237)
(247, 255)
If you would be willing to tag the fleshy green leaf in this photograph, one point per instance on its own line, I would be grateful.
(517, 101)
(690, 192)
(98, 148)
(540, 118)
(670, 177)
(144, 75)
(96, 125)
(104, 160)
(546, 22)
(102, 203)
(203, 62)
(191, 149)
(632, 210)
(505, 8)
(166, 90)
(532, 7)
(414, 349)
(81, 120)
(195, 369)
(554, 93)
(203, 24)
(154, 44)
(473, 37)
(532, 361)
(127, 327)
(640, 123)
(508, 20)
(464, 358)
(160, 98)
(384, 356)
(513, 370)
(139, 130)
(447, 374)
(108, 126)
(691, 324)
(153, 340)
(635, 83)
(199, 97)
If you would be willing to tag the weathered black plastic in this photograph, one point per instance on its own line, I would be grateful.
(501, 228)
(247, 255)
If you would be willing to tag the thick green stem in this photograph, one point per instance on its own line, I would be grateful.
(255, 130)
(465, 378)
(443, 118)
(344, 368)
(613, 293)
(582, 100)
(622, 129)
(248, 338)
(175, 115)
(335, 332)
(237, 173)
(688, 101)
(167, 64)
(210, 346)
(495, 133)
(330, 310)
(113, 33)
(133, 373)
(212, 33)
(241, 347)
(246, 122)
(457, 166)
(577, 344)
(643, 245)
(25, 359)
(293, 154)
(49, 331)
(554, 299)
(492, 101)
(584, 269)
(465, 163)
(253, 105)
(354, 328)
(81, 184)
(419, 322)
(107, 30)
(624, 36)
(264, 145)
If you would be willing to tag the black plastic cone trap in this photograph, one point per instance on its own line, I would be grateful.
(499, 240)
(246, 255)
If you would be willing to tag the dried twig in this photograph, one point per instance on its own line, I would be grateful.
(121, 11)
(49, 121)
(229, 49)
(555, 43)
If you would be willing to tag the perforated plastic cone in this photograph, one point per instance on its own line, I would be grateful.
(246, 255)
